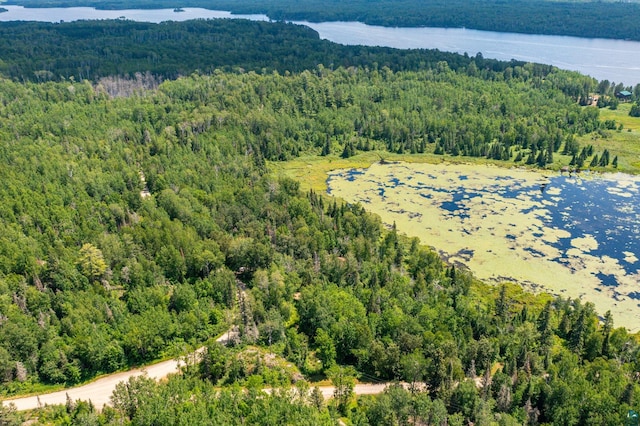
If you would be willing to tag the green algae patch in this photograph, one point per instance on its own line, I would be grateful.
(312, 170)
(461, 211)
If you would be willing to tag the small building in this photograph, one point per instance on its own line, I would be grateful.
(624, 95)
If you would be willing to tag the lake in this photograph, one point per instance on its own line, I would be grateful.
(613, 60)
(574, 236)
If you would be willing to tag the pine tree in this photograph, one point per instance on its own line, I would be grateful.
(502, 305)
(606, 332)
(531, 159)
(326, 149)
(549, 158)
(348, 150)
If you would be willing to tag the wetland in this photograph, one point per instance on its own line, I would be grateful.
(576, 236)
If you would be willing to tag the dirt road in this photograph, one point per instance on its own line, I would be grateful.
(100, 390)
(360, 389)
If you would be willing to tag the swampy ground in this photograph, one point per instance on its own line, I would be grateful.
(505, 223)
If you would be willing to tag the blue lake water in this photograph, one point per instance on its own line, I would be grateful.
(613, 60)
(603, 209)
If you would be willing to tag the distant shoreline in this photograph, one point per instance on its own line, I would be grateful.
(615, 20)
(564, 52)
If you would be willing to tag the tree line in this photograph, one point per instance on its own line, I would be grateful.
(412, 101)
(90, 50)
(580, 19)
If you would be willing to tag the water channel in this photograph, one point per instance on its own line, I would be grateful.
(613, 60)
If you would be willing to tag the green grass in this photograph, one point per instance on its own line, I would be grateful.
(311, 170)
(621, 115)
(624, 143)
(28, 388)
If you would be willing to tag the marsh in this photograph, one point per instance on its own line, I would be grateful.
(576, 236)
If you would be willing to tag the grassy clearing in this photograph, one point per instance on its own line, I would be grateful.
(624, 143)
(311, 171)
(621, 115)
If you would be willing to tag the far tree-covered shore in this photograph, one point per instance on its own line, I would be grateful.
(615, 20)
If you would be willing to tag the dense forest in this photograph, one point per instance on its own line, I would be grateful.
(529, 113)
(139, 220)
(97, 276)
(599, 19)
(93, 49)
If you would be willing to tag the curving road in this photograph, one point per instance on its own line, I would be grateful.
(99, 391)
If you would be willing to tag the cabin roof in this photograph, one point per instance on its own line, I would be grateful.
(625, 93)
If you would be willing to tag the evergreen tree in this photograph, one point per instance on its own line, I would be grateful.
(348, 151)
(326, 148)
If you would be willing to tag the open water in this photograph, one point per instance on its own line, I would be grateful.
(614, 60)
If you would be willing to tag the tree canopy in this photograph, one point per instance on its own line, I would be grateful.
(139, 219)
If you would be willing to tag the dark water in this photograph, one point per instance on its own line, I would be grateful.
(601, 208)
(593, 206)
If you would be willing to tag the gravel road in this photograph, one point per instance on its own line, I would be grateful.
(99, 391)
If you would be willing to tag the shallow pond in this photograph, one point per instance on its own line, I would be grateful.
(575, 236)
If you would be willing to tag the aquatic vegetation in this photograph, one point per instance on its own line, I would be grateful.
(575, 236)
